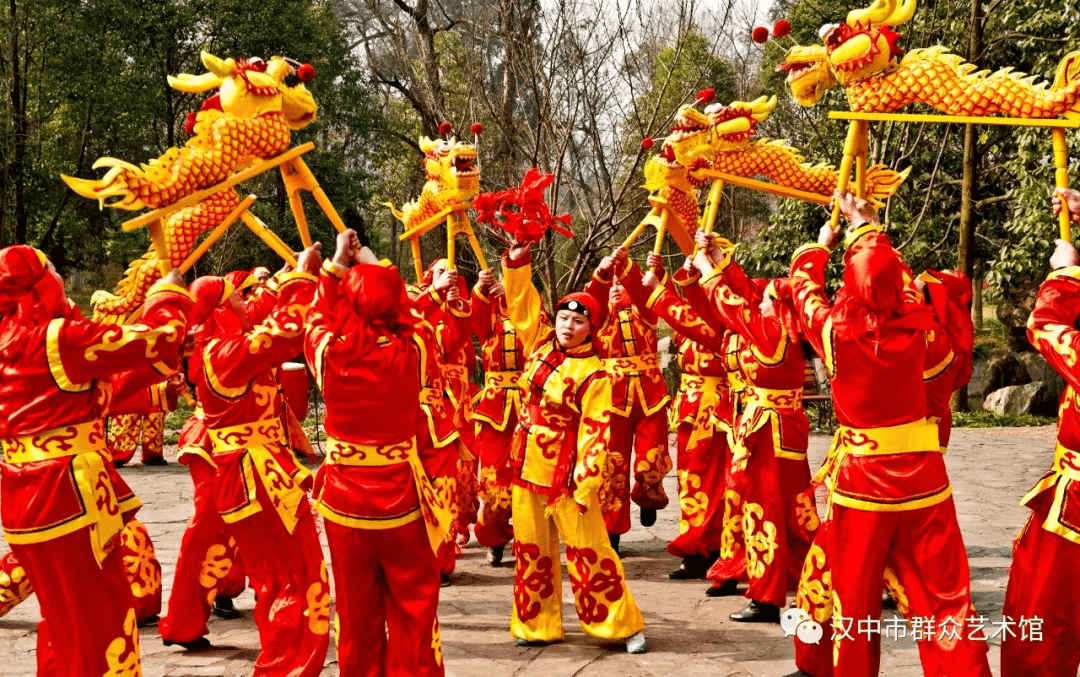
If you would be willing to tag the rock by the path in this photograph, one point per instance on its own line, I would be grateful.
(1040, 370)
(1001, 370)
(1038, 398)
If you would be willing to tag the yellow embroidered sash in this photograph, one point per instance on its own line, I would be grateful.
(502, 379)
(1067, 463)
(285, 491)
(84, 443)
(709, 388)
(761, 406)
(436, 515)
(631, 366)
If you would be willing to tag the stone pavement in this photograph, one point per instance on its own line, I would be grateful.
(689, 634)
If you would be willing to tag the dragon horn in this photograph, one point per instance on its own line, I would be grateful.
(220, 68)
(903, 14)
(193, 84)
(397, 214)
(112, 162)
(762, 107)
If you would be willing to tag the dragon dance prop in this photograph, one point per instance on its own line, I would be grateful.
(522, 212)
(862, 56)
(452, 180)
(719, 145)
(241, 132)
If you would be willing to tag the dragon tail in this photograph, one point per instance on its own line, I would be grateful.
(882, 182)
(1068, 77)
(130, 292)
(395, 211)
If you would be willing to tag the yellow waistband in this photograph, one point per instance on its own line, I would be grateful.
(735, 382)
(257, 434)
(628, 366)
(456, 372)
(909, 438)
(769, 398)
(1067, 463)
(62, 442)
(339, 452)
(431, 395)
(690, 382)
(502, 379)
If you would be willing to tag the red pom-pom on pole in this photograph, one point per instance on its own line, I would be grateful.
(706, 96)
(445, 128)
(782, 28)
(306, 72)
(189, 124)
(760, 35)
(647, 143)
(477, 129)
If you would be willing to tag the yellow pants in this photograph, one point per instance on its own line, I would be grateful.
(604, 604)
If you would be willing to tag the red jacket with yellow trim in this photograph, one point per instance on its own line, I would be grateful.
(875, 386)
(502, 357)
(770, 360)
(628, 344)
(372, 398)
(66, 374)
(450, 332)
(560, 445)
(700, 348)
(1052, 330)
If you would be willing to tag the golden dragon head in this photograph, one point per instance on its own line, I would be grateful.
(808, 73)
(700, 135)
(452, 165)
(252, 87)
(865, 44)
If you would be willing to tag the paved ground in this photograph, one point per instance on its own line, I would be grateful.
(689, 634)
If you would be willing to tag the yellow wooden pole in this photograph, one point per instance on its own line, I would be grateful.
(860, 175)
(712, 206)
(292, 188)
(475, 244)
(418, 263)
(843, 180)
(661, 231)
(216, 234)
(451, 247)
(1061, 177)
(161, 246)
(269, 237)
(311, 184)
(640, 229)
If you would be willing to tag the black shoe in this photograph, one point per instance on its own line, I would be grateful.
(887, 601)
(155, 460)
(444, 580)
(799, 673)
(692, 568)
(756, 612)
(495, 555)
(725, 589)
(223, 608)
(197, 645)
(150, 622)
(648, 517)
(118, 464)
(613, 539)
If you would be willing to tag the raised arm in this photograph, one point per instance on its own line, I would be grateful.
(1052, 325)
(766, 335)
(523, 303)
(660, 297)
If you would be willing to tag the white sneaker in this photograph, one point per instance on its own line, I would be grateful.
(636, 643)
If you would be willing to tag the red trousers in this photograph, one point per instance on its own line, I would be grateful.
(441, 465)
(288, 574)
(208, 564)
(1042, 584)
(777, 533)
(925, 548)
(88, 623)
(468, 494)
(14, 583)
(492, 447)
(387, 584)
(126, 431)
(702, 469)
(646, 436)
(142, 568)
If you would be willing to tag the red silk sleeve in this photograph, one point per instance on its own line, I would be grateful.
(1051, 328)
(808, 289)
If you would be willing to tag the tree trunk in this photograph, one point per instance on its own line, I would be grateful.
(18, 119)
(977, 299)
(964, 257)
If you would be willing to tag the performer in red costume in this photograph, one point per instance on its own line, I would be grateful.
(703, 399)
(890, 497)
(384, 521)
(496, 412)
(1042, 579)
(440, 300)
(639, 400)
(62, 503)
(948, 294)
(772, 433)
(259, 488)
(559, 455)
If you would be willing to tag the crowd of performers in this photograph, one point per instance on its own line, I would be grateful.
(569, 427)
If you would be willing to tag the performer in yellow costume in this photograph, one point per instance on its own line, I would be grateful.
(558, 454)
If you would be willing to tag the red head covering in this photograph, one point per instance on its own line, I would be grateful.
(213, 315)
(581, 302)
(241, 279)
(375, 303)
(950, 297)
(29, 295)
(784, 305)
(873, 294)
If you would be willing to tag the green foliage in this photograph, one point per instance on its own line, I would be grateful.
(987, 419)
(175, 420)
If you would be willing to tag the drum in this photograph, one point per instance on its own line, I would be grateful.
(294, 384)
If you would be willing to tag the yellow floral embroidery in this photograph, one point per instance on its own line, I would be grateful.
(215, 566)
(14, 588)
(731, 538)
(122, 654)
(318, 604)
(693, 503)
(436, 642)
(815, 586)
(896, 589)
(139, 559)
(806, 513)
(760, 540)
